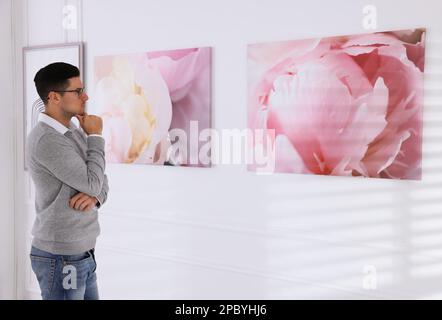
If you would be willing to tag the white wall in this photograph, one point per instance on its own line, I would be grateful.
(7, 275)
(185, 233)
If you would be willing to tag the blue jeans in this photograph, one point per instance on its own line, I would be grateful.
(65, 277)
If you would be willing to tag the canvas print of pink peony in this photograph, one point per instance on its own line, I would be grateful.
(346, 106)
(142, 97)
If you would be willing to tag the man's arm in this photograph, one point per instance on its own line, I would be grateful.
(84, 202)
(58, 156)
(102, 197)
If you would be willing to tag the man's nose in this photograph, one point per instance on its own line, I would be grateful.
(85, 97)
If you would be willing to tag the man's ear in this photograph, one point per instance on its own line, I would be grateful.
(54, 96)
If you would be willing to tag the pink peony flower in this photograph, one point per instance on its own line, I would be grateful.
(143, 96)
(343, 105)
(134, 101)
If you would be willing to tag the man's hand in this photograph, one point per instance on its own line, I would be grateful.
(91, 124)
(82, 202)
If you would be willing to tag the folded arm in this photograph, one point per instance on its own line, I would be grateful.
(58, 156)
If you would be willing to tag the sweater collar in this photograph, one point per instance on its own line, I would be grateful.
(43, 117)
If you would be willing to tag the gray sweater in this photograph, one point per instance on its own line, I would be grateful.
(61, 165)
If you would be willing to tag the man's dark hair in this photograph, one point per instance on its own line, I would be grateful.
(54, 76)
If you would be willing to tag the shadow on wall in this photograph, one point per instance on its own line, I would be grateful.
(389, 248)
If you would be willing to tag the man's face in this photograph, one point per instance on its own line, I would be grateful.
(72, 102)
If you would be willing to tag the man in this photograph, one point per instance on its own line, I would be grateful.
(67, 166)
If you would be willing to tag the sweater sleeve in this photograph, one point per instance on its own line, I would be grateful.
(59, 157)
(102, 197)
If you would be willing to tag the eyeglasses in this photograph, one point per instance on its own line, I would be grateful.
(79, 91)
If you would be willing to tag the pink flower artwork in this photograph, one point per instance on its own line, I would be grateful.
(142, 97)
(346, 106)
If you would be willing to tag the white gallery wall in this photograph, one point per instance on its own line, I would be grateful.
(224, 232)
(7, 256)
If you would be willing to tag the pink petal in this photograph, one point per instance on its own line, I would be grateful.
(118, 137)
(180, 73)
(383, 154)
(287, 158)
(261, 81)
